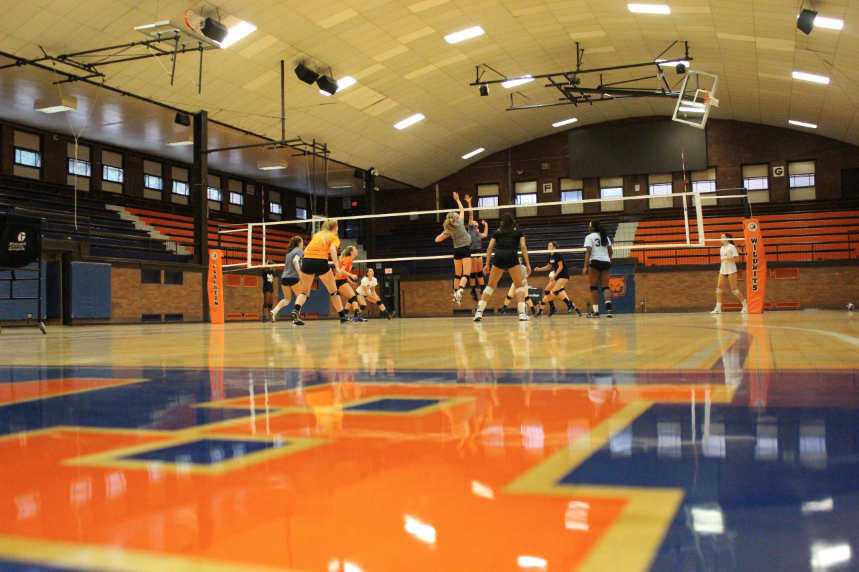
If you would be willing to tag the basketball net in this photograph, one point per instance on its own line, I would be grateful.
(193, 20)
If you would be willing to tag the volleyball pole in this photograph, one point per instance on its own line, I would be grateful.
(685, 207)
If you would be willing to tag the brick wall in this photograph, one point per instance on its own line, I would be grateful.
(131, 299)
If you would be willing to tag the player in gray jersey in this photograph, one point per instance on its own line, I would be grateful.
(454, 228)
(476, 278)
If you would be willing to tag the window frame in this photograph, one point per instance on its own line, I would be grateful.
(749, 187)
(301, 213)
(271, 208)
(792, 178)
(481, 205)
(518, 199)
(71, 171)
(147, 178)
(106, 169)
(604, 189)
(241, 199)
(652, 186)
(581, 193)
(209, 194)
(708, 181)
(37, 154)
(176, 188)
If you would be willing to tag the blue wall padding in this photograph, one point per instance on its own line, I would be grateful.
(25, 288)
(18, 309)
(12, 309)
(5, 289)
(54, 289)
(90, 290)
(319, 301)
(5, 274)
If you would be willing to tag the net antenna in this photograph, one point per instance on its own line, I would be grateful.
(696, 98)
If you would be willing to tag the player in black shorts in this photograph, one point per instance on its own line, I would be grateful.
(558, 278)
(267, 290)
(506, 242)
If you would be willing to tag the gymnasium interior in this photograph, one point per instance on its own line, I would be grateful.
(157, 158)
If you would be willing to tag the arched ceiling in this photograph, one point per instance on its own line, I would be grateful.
(396, 51)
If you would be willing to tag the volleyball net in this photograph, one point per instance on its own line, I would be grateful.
(675, 228)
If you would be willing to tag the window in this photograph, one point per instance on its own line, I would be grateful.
(300, 213)
(660, 189)
(80, 168)
(238, 199)
(487, 202)
(112, 174)
(757, 183)
(612, 193)
(28, 158)
(275, 208)
(703, 186)
(181, 188)
(214, 194)
(805, 180)
(571, 195)
(153, 182)
(525, 199)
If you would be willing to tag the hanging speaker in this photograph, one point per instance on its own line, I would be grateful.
(213, 29)
(805, 22)
(327, 84)
(306, 74)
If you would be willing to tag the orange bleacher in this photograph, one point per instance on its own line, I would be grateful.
(787, 237)
(180, 228)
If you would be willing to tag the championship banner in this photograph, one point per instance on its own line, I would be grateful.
(216, 287)
(756, 266)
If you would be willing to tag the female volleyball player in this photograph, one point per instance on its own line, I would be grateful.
(476, 277)
(511, 292)
(728, 273)
(345, 285)
(598, 253)
(289, 278)
(267, 289)
(454, 227)
(558, 279)
(322, 247)
(509, 239)
(366, 293)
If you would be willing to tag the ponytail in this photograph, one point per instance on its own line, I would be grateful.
(730, 239)
(598, 227)
(346, 252)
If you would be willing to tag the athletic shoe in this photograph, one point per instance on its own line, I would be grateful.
(523, 317)
(264, 319)
(478, 315)
(745, 309)
(552, 311)
(534, 310)
(296, 319)
(593, 315)
(502, 310)
(273, 316)
(457, 297)
(608, 315)
(570, 309)
(345, 319)
(716, 310)
(474, 296)
(359, 318)
(539, 314)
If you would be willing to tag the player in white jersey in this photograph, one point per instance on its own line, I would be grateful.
(729, 256)
(366, 293)
(598, 253)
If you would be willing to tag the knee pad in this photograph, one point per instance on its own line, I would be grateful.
(458, 277)
(353, 299)
(363, 307)
(718, 290)
(561, 290)
(606, 288)
(594, 288)
(488, 290)
(520, 289)
(509, 298)
(334, 293)
(735, 292)
(474, 274)
(556, 292)
(547, 292)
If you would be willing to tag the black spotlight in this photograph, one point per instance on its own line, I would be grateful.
(681, 68)
(183, 119)
(306, 74)
(359, 174)
(327, 84)
(484, 90)
(213, 29)
(805, 22)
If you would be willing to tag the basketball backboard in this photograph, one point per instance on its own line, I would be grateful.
(697, 97)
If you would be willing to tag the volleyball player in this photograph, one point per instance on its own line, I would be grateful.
(728, 273)
(289, 278)
(322, 247)
(508, 239)
(476, 277)
(454, 227)
(366, 293)
(267, 289)
(558, 279)
(345, 284)
(598, 253)
(511, 292)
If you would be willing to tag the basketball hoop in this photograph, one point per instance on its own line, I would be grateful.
(710, 101)
(193, 20)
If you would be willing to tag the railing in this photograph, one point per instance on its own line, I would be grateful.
(830, 250)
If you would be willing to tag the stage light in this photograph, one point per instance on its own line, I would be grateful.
(327, 84)
(484, 90)
(514, 82)
(802, 124)
(237, 32)
(183, 119)
(409, 121)
(306, 74)
(805, 21)
(464, 35)
(681, 68)
(564, 122)
(56, 104)
(473, 153)
(213, 29)
(810, 77)
(649, 9)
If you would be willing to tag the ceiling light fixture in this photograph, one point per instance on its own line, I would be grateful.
(464, 35)
(802, 124)
(409, 121)
(649, 9)
(237, 32)
(514, 82)
(341, 85)
(272, 165)
(831, 23)
(810, 77)
(564, 122)
(56, 104)
(689, 109)
(473, 153)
